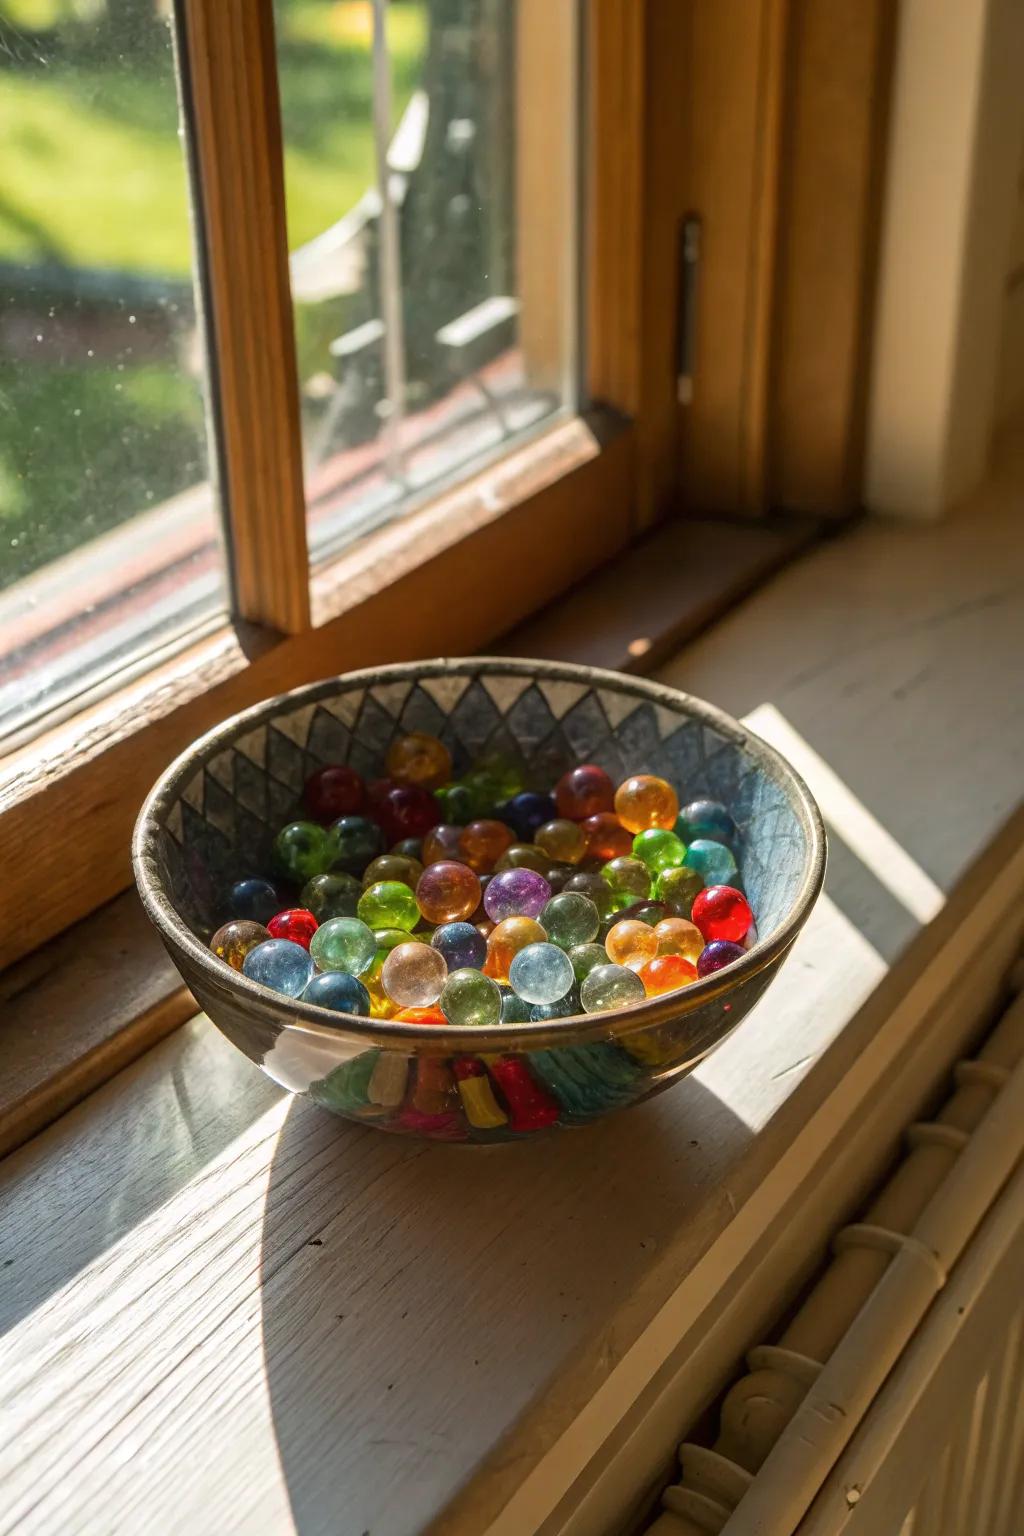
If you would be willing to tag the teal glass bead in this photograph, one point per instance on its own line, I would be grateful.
(677, 889)
(628, 878)
(712, 861)
(331, 895)
(514, 1010)
(584, 957)
(610, 986)
(340, 991)
(659, 849)
(389, 904)
(343, 944)
(281, 965)
(303, 849)
(570, 918)
(355, 840)
(705, 819)
(541, 973)
(471, 1000)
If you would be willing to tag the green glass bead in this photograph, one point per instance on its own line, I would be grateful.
(387, 939)
(628, 878)
(513, 1009)
(500, 775)
(590, 884)
(584, 957)
(471, 999)
(659, 849)
(303, 849)
(610, 986)
(331, 895)
(677, 889)
(388, 904)
(464, 801)
(570, 918)
(343, 944)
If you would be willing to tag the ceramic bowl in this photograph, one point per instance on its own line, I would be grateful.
(211, 817)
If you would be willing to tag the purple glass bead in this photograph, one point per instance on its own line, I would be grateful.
(718, 954)
(516, 893)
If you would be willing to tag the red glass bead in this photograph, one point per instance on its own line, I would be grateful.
(296, 924)
(333, 792)
(406, 810)
(584, 791)
(606, 837)
(720, 912)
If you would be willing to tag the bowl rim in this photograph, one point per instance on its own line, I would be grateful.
(328, 1024)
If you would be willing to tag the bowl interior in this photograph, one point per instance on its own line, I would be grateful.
(219, 808)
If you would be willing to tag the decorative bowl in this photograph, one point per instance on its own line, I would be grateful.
(211, 817)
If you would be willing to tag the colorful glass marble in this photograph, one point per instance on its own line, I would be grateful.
(510, 936)
(677, 889)
(462, 945)
(717, 955)
(513, 1009)
(590, 884)
(255, 900)
(281, 965)
(482, 843)
(414, 975)
(584, 791)
(388, 904)
(296, 923)
(232, 942)
(720, 912)
(610, 986)
(541, 973)
(410, 848)
(562, 1007)
(523, 856)
(332, 792)
(666, 973)
(562, 840)
(393, 866)
(339, 991)
(331, 895)
(515, 893)
(606, 837)
(584, 957)
(448, 892)
(343, 944)
(714, 862)
(570, 918)
(706, 819)
(303, 849)
(471, 1000)
(629, 879)
(527, 811)
(631, 944)
(659, 849)
(355, 840)
(646, 801)
(676, 936)
(441, 842)
(406, 810)
(419, 758)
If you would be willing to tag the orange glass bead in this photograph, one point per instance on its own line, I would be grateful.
(419, 758)
(508, 937)
(421, 1016)
(562, 840)
(447, 892)
(666, 973)
(606, 837)
(482, 844)
(233, 942)
(584, 791)
(678, 937)
(441, 842)
(631, 943)
(645, 801)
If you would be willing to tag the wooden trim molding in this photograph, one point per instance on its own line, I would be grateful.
(230, 89)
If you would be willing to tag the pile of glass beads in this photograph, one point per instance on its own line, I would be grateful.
(477, 901)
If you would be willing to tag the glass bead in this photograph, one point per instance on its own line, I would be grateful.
(717, 955)
(610, 986)
(606, 837)
(413, 975)
(421, 1016)
(667, 973)
(464, 801)
(510, 936)
(234, 940)
(516, 893)
(523, 856)
(526, 812)
(659, 849)
(631, 943)
(340, 991)
(649, 912)
(279, 964)
(676, 936)
(462, 945)
(332, 792)
(343, 944)
(628, 878)
(646, 801)
(677, 889)
(447, 892)
(355, 840)
(410, 848)
(584, 957)
(406, 810)
(541, 973)
(387, 938)
(563, 840)
(303, 849)
(470, 999)
(255, 900)
(514, 1010)
(419, 758)
(705, 818)
(388, 904)
(501, 773)
(562, 1008)
(482, 843)
(557, 875)
(584, 791)
(720, 912)
(381, 1006)
(296, 923)
(712, 861)
(441, 842)
(331, 895)
(590, 884)
(570, 918)
(393, 866)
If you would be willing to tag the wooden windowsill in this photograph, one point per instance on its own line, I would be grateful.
(386, 1336)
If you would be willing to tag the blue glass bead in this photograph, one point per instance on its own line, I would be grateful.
(705, 819)
(563, 1008)
(712, 861)
(254, 899)
(281, 965)
(541, 973)
(513, 1009)
(338, 990)
(355, 840)
(528, 811)
(462, 946)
